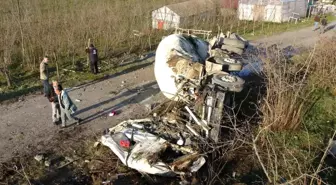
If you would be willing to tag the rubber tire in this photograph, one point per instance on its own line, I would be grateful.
(233, 49)
(236, 86)
(234, 42)
(237, 66)
(238, 37)
(219, 53)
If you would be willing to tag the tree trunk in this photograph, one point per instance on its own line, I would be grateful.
(21, 32)
(88, 58)
(57, 68)
(8, 78)
(5, 71)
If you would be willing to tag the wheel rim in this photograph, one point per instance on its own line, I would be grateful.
(228, 78)
(230, 60)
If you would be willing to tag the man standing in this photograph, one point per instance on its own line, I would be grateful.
(67, 106)
(93, 56)
(52, 97)
(44, 75)
(316, 22)
(324, 23)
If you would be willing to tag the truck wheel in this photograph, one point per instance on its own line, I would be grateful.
(229, 82)
(234, 42)
(232, 64)
(233, 49)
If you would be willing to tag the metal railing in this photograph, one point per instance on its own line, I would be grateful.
(206, 34)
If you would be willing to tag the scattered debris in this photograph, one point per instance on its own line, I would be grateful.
(39, 157)
(20, 99)
(149, 107)
(69, 70)
(47, 163)
(139, 149)
(332, 150)
(113, 113)
(70, 161)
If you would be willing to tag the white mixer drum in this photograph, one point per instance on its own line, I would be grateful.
(193, 48)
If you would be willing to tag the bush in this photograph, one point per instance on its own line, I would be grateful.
(297, 115)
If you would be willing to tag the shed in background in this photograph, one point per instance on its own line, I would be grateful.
(229, 4)
(271, 10)
(182, 14)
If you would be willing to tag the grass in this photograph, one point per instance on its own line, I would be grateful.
(298, 152)
(268, 28)
(298, 116)
(290, 149)
(28, 82)
(113, 35)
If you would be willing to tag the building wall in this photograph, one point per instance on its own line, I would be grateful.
(301, 7)
(165, 15)
(231, 4)
(327, 1)
(171, 20)
(272, 12)
(290, 7)
(245, 12)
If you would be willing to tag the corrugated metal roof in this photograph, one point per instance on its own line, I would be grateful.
(192, 7)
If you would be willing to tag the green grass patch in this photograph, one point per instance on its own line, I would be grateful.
(25, 82)
(290, 153)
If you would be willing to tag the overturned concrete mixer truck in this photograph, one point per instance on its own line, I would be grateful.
(188, 68)
(199, 75)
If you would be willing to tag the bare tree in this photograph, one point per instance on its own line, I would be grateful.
(7, 46)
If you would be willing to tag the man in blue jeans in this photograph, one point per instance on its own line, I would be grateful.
(44, 75)
(316, 22)
(68, 108)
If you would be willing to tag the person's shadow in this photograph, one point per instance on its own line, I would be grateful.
(330, 27)
(136, 96)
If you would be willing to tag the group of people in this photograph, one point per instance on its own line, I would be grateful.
(323, 21)
(62, 106)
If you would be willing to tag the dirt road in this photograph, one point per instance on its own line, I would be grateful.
(25, 126)
(303, 37)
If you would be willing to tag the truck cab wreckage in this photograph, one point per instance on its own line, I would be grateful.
(197, 76)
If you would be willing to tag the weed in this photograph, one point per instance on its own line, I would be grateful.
(298, 115)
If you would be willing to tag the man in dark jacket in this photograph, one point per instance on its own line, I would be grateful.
(324, 24)
(93, 56)
(52, 97)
